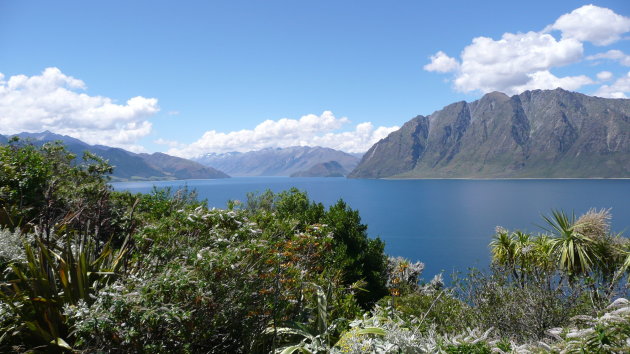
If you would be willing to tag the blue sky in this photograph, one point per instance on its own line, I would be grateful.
(213, 76)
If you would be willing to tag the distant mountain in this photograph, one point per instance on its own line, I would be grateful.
(324, 169)
(181, 168)
(128, 165)
(541, 133)
(276, 161)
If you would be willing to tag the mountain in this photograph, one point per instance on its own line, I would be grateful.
(537, 134)
(324, 169)
(128, 165)
(276, 161)
(181, 168)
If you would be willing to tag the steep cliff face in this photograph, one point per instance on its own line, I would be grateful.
(397, 153)
(550, 133)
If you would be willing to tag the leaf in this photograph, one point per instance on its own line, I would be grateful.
(61, 343)
(287, 330)
(372, 330)
(294, 348)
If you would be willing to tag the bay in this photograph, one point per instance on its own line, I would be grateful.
(447, 224)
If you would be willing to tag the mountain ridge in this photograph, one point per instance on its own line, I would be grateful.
(536, 134)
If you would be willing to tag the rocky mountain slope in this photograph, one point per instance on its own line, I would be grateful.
(324, 169)
(541, 133)
(276, 161)
(128, 165)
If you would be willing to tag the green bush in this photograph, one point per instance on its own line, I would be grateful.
(361, 258)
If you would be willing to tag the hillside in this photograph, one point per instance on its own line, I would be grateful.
(276, 162)
(128, 165)
(324, 169)
(537, 134)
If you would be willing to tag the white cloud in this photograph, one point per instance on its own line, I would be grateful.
(309, 130)
(54, 101)
(544, 80)
(598, 25)
(524, 61)
(442, 63)
(613, 54)
(513, 62)
(619, 89)
(604, 75)
(169, 143)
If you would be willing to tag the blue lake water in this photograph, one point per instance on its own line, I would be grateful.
(447, 224)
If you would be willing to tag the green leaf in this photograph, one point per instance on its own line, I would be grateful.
(372, 330)
(61, 343)
(294, 348)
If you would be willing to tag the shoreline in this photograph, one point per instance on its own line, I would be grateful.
(500, 178)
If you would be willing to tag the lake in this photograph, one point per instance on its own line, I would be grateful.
(447, 224)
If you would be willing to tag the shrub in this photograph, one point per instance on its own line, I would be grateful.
(360, 257)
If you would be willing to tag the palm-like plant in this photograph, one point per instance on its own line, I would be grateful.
(524, 250)
(503, 248)
(51, 277)
(574, 250)
(315, 338)
(543, 250)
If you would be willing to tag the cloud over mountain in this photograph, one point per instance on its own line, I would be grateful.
(56, 102)
(617, 89)
(522, 61)
(310, 130)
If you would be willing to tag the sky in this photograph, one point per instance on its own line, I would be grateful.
(196, 77)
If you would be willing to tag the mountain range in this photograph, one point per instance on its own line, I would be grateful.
(277, 161)
(536, 134)
(129, 165)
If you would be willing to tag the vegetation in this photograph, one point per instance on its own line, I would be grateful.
(86, 269)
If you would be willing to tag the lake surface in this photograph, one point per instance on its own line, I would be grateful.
(447, 224)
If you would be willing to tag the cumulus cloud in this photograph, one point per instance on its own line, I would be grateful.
(442, 63)
(309, 130)
(613, 54)
(55, 101)
(590, 23)
(514, 61)
(544, 80)
(604, 75)
(619, 89)
(523, 61)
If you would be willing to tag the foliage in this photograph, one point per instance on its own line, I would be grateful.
(231, 281)
(43, 186)
(607, 333)
(88, 269)
(12, 247)
(403, 276)
(50, 276)
(360, 257)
